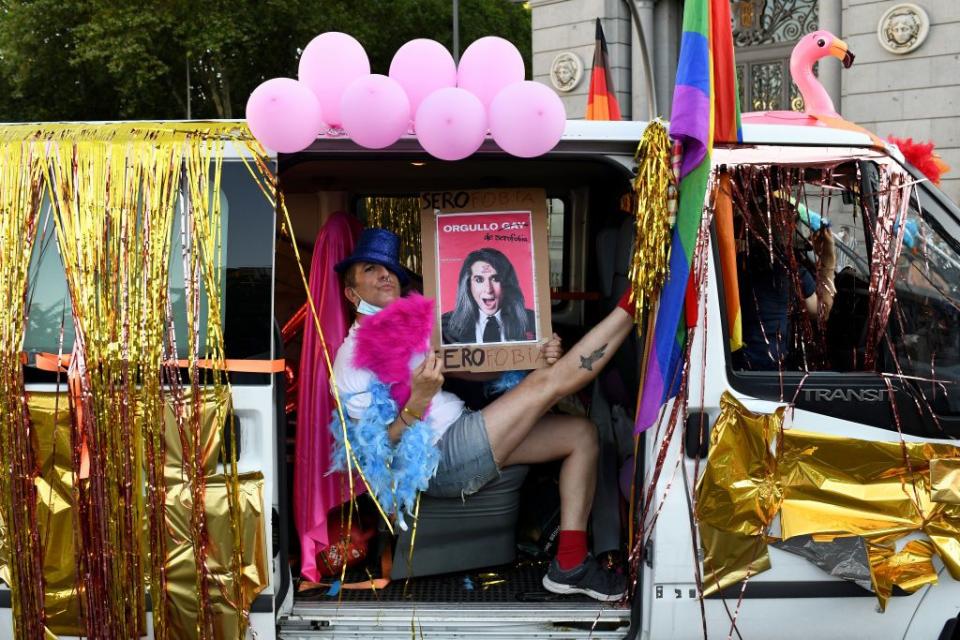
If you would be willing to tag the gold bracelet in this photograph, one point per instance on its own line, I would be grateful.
(418, 418)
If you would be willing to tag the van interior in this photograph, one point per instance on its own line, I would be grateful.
(493, 547)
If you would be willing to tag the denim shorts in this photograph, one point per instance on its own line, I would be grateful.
(466, 459)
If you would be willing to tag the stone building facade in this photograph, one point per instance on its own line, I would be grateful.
(914, 94)
(905, 80)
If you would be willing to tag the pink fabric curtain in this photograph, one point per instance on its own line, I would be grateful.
(314, 492)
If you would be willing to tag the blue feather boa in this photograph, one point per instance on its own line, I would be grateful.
(507, 380)
(395, 473)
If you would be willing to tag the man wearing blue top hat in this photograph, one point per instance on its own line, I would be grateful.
(409, 434)
(377, 250)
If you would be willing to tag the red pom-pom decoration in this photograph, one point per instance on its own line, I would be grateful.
(922, 156)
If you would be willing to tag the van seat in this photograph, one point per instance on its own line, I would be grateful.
(458, 535)
(614, 253)
(614, 246)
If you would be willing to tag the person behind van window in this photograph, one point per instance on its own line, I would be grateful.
(513, 429)
(490, 306)
(766, 289)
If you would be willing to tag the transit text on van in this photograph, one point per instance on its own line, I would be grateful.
(847, 395)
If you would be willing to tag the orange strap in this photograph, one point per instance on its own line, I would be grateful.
(240, 366)
(50, 362)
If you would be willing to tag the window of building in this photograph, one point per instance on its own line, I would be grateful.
(764, 34)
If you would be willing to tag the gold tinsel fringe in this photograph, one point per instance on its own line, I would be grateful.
(402, 216)
(114, 191)
(21, 561)
(652, 187)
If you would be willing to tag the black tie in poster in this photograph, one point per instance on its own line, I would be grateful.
(491, 331)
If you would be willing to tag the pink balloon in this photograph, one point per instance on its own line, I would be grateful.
(527, 119)
(330, 62)
(451, 123)
(421, 67)
(487, 66)
(284, 115)
(375, 111)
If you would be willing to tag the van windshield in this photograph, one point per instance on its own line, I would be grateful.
(925, 325)
(883, 298)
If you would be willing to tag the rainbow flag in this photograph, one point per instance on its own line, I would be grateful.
(727, 250)
(704, 109)
(602, 99)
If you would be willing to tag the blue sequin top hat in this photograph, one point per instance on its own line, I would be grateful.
(378, 246)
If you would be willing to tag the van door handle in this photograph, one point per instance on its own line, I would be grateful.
(695, 443)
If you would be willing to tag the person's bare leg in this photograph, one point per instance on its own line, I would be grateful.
(510, 417)
(573, 440)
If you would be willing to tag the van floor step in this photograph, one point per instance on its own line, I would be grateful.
(519, 583)
(402, 621)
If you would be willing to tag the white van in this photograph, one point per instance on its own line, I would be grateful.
(465, 588)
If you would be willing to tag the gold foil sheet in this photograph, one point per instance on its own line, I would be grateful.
(51, 420)
(181, 567)
(826, 487)
(52, 429)
(945, 480)
(910, 569)
(211, 435)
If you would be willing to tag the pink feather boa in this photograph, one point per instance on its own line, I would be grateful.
(387, 341)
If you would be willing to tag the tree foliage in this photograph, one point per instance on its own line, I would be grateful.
(102, 59)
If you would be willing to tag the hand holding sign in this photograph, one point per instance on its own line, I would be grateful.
(552, 350)
(425, 382)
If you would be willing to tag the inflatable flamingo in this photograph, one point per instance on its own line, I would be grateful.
(818, 107)
(811, 48)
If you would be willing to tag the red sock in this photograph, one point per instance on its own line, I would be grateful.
(626, 303)
(571, 548)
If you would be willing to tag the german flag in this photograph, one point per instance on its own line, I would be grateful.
(602, 99)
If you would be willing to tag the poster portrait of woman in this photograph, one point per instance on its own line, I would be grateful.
(486, 266)
(490, 306)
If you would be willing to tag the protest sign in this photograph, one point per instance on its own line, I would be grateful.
(485, 262)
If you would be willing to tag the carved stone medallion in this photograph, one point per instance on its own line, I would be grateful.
(903, 28)
(566, 71)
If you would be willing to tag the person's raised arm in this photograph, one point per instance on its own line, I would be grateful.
(825, 250)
